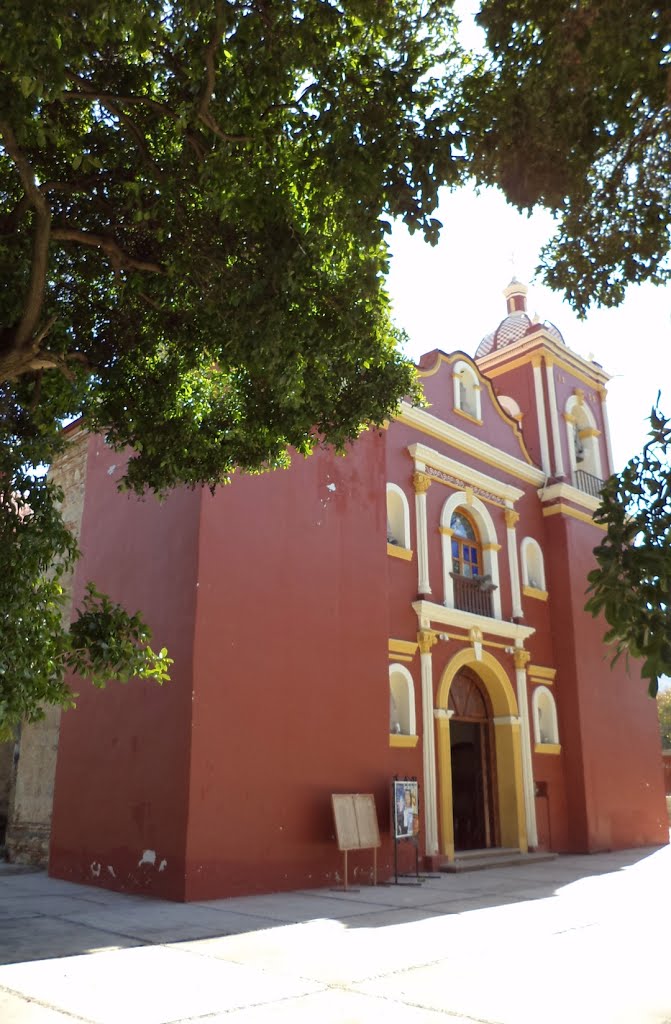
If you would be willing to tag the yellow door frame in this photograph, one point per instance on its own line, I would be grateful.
(507, 744)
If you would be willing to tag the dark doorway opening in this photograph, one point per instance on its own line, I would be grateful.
(473, 767)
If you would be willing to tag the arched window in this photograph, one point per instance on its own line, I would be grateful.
(546, 730)
(466, 390)
(401, 702)
(466, 546)
(533, 568)
(470, 556)
(398, 517)
(583, 443)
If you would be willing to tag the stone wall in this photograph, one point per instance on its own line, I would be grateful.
(6, 780)
(32, 784)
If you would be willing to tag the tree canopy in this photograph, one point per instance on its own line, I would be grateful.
(573, 112)
(194, 204)
(632, 582)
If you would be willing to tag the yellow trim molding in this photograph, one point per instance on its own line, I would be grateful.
(542, 672)
(403, 648)
(554, 510)
(397, 552)
(547, 748)
(535, 592)
(467, 416)
(398, 740)
(429, 424)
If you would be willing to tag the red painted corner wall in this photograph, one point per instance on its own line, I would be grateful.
(608, 724)
(120, 802)
(291, 690)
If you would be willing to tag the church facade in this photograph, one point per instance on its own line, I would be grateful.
(411, 610)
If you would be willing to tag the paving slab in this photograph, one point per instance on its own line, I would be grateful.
(330, 952)
(292, 907)
(14, 1009)
(153, 984)
(38, 938)
(161, 921)
(333, 1007)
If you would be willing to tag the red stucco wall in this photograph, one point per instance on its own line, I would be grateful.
(608, 724)
(291, 692)
(123, 764)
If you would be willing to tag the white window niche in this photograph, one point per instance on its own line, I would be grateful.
(546, 729)
(467, 392)
(402, 719)
(533, 570)
(398, 523)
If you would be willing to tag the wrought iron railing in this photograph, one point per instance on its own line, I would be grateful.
(473, 594)
(587, 482)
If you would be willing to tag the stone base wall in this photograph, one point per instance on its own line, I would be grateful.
(29, 825)
(6, 783)
(29, 843)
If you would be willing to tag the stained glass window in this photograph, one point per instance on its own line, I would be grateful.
(466, 548)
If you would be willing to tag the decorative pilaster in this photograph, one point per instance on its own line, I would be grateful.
(540, 413)
(521, 659)
(421, 482)
(554, 417)
(426, 638)
(512, 519)
(606, 430)
(442, 718)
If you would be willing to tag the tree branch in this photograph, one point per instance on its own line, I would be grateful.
(22, 335)
(135, 132)
(118, 258)
(210, 67)
(88, 92)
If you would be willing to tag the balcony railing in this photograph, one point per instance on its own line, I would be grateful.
(587, 482)
(473, 594)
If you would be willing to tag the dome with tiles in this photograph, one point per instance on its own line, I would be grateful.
(516, 325)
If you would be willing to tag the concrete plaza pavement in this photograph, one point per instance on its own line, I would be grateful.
(576, 939)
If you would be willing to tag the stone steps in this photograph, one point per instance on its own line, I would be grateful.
(495, 857)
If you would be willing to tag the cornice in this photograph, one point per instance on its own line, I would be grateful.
(426, 456)
(556, 492)
(456, 438)
(560, 355)
(428, 612)
(402, 648)
(574, 513)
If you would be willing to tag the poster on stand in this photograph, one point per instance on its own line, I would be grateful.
(406, 808)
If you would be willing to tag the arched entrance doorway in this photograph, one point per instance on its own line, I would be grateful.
(484, 700)
(473, 764)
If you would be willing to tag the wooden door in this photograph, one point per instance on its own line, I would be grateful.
(473, 764)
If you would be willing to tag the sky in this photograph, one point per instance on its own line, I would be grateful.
(449, 296)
